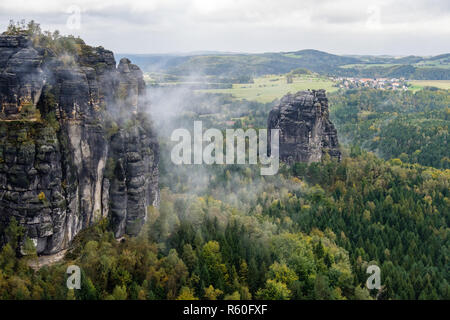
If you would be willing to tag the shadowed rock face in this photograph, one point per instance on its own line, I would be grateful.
(306, 133)
(75, 145)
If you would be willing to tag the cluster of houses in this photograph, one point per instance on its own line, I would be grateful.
(376, 83)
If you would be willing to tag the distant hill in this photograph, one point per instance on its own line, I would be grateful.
(445, 56)
(316, 60)
(154, 62)
(242, 64)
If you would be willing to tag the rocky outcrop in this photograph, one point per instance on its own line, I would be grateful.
(306, 132)
(75, 143)
(132, 183)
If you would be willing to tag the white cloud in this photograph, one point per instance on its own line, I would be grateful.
(341, 26)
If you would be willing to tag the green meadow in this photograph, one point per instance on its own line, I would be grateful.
(420, 84)
(368, 65)
(271, 87)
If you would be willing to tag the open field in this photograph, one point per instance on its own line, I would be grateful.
(439, 63)
(368, 65)
(419, 84)
(271, 87)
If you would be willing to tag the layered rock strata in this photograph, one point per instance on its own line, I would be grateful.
(76, 145)
(306, 132)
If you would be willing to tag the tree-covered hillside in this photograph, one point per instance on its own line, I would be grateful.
(410, 126)
(236, 65)
(309, 232)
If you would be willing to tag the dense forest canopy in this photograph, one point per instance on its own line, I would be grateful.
(412, 127)
(309, 233)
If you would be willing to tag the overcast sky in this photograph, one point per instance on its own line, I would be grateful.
(400, 27)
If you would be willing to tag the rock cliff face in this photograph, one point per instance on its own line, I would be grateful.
(306, 133)
(75, 144)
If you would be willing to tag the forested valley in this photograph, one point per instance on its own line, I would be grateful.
(309, 232)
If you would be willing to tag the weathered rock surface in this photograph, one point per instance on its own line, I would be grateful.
(306, 132)
(75, 145)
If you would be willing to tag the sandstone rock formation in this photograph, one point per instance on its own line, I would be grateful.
(306, 132)
(75, 144)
